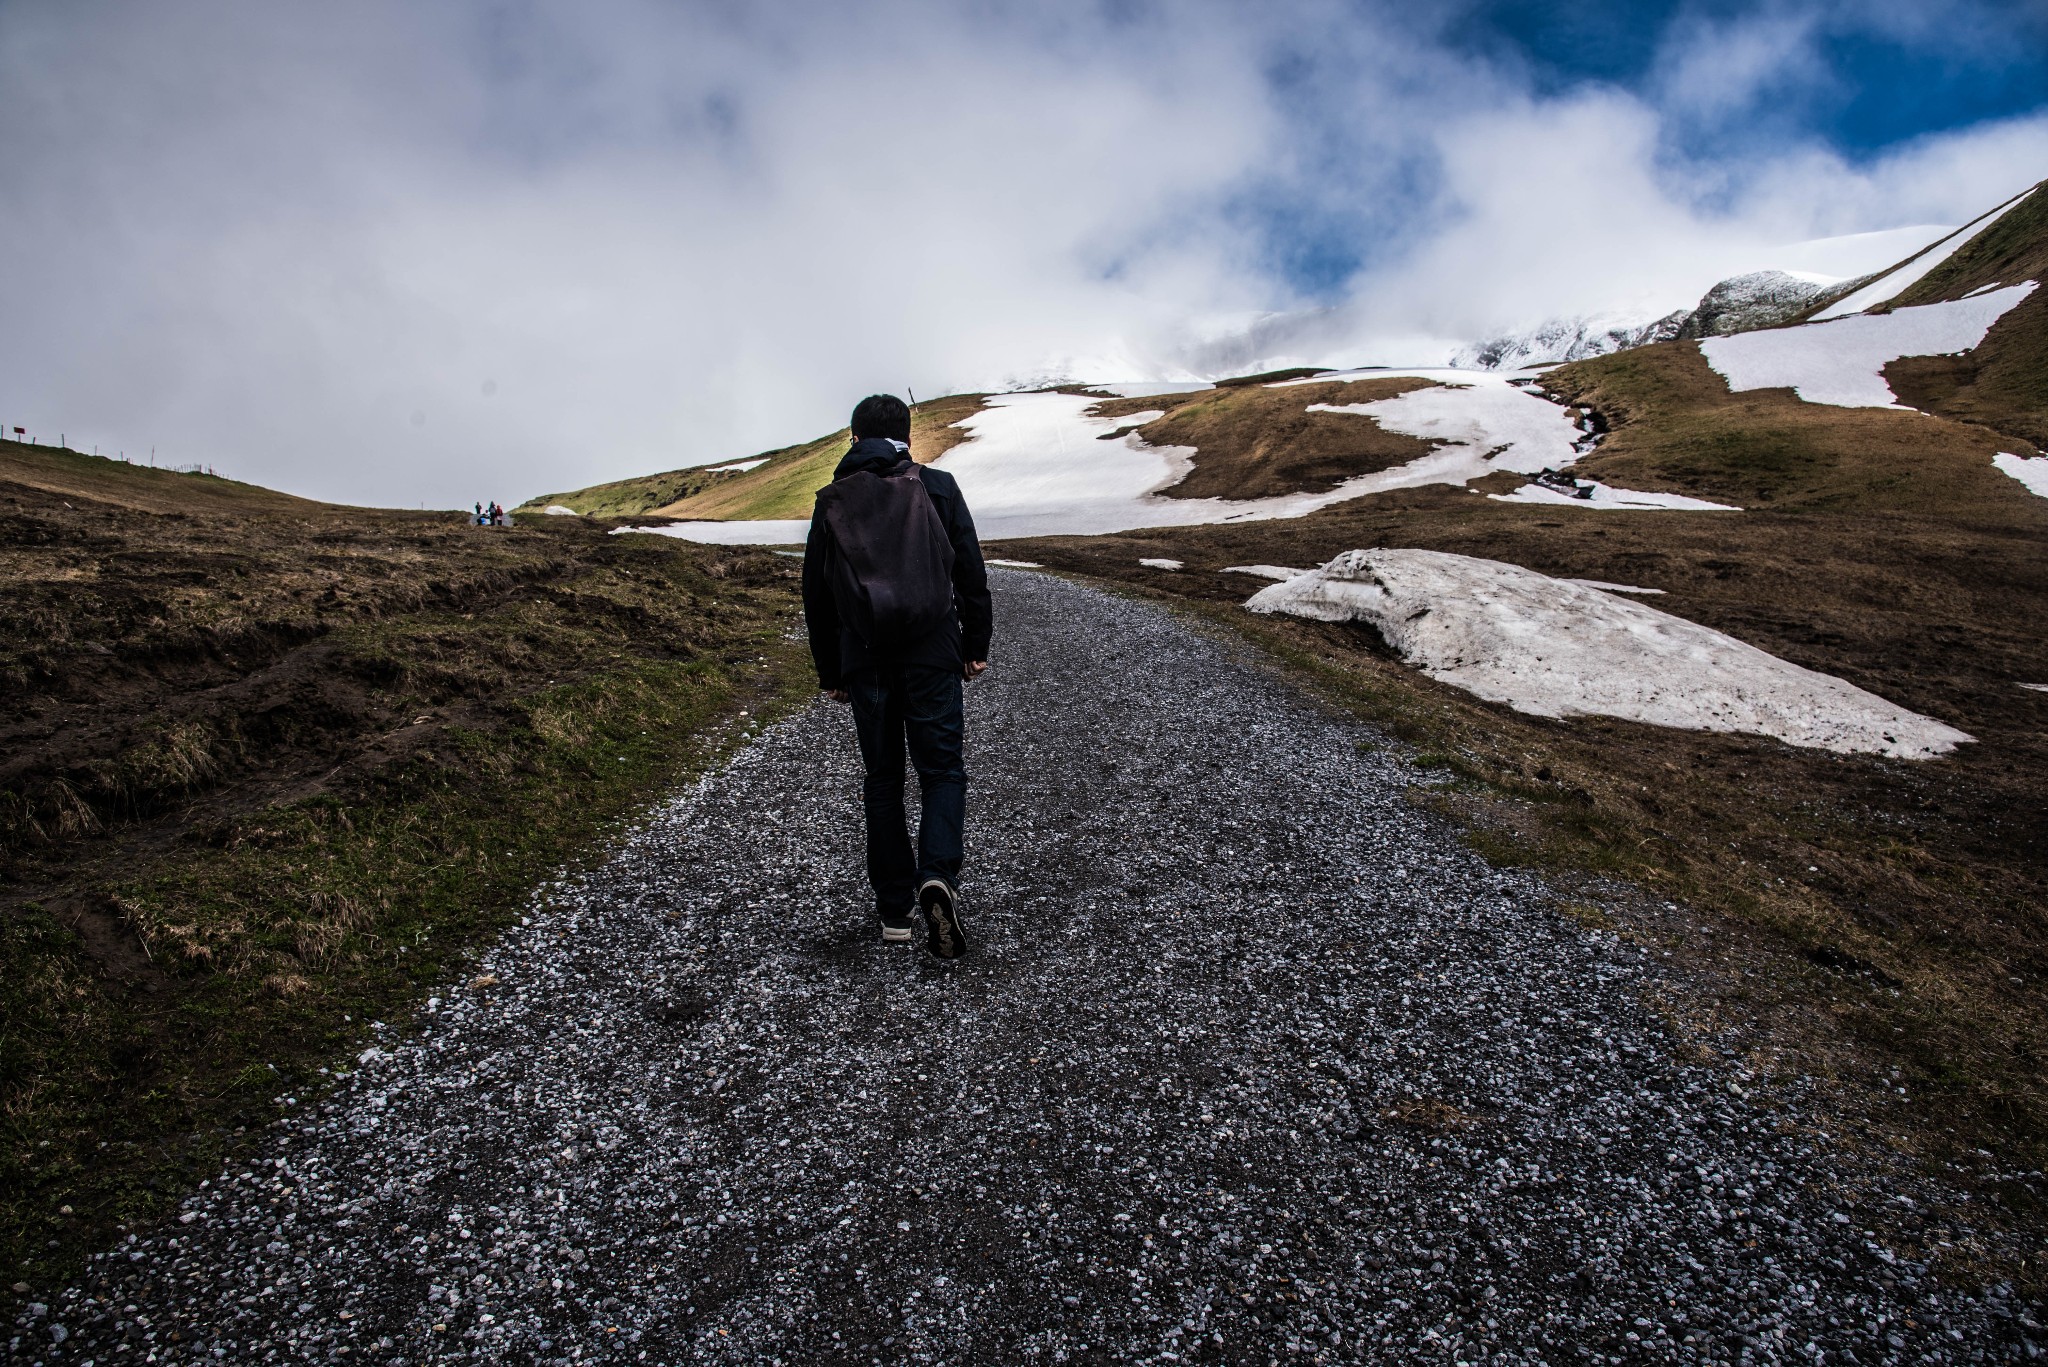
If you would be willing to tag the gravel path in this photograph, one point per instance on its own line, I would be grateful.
(1254, 1062)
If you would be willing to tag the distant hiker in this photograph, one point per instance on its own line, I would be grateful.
(479, 514)
(898, 607)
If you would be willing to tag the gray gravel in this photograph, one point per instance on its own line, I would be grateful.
(1254, 1062)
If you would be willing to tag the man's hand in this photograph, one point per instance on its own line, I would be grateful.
(973, 669)
(838, 695)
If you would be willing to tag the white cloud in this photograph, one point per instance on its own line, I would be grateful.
(344, 256)
(1716, 67)
(398, 253)
(1567, 208)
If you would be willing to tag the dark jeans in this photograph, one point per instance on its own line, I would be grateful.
(915, 707)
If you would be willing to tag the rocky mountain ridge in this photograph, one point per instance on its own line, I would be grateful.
(1740, 303)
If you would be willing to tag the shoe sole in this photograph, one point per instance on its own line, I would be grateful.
(895, 935)
(944, 937)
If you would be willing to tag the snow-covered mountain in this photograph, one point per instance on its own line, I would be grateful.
(1760, 299)
(1756, 300)
(1566, 339)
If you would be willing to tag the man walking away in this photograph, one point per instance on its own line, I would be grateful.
(897, 602)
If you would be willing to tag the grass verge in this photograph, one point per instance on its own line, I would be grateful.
(276, 771)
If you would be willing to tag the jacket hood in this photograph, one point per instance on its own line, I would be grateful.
(876, 455)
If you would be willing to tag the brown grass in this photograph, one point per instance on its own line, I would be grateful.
(1901, 909)
(267, 764)
(1253, 442)
(2011, 250)
(1677, 428)
(2003, 384)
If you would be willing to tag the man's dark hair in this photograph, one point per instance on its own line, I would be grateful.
(881, 415)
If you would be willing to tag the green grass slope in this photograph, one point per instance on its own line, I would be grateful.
(632, 497)
(783, 487)
(787, 484)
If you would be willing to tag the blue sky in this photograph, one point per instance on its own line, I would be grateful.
(1865, 76)
(1857, 79)
(403, 253)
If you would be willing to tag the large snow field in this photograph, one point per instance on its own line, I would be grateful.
(1039, 464)
(1842, 362)
(1556, 648)
(2031, 471)
(1896, 283)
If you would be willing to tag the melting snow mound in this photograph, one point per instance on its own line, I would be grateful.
(558, 510)
(1554, 648)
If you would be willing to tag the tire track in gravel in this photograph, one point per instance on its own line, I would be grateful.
(1254, 1063)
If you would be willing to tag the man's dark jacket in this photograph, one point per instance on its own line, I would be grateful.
(836, 649)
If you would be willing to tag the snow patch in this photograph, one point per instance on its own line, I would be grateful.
(1015, 564)
(1040, 464)
(1606, 587)
(1554, 648)
(1159, 563)
(791, 532)
(2038, 688)
(738, 466)
(1842, 362)
(1896, 283)
(1037, 464)
(1831, 260)
(2031, 471)
(1280, 572)
(560, 510)
(1484, 422)
(1605, 497)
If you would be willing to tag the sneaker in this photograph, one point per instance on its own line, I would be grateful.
(943, 935)
(896, 927)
